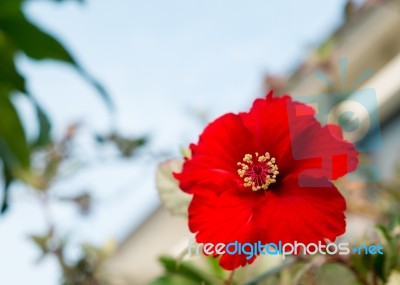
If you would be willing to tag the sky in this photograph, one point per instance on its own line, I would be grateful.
(162, 61)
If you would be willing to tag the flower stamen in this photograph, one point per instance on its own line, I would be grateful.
(258, 173)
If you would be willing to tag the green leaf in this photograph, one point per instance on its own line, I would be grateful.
(40, 45)
(385, 233)
(19, 35)
(33, 41)
(173, 280)
(185, 270)
(7, 176)
(172, 197)
(379, 266)
(14, 150)
(215, 268)
(332, 274)
(44, 136)
(10, 78)
(13, 144)
(10, 8)
(390, 252)
(360, 264)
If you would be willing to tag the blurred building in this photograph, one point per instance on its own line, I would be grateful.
(364, 53)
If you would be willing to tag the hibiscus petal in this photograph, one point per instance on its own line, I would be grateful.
(318, 151)
(290, 132)
(288, 213)
(304, 214)
(268, 123)
(214, 159)
(224, 218)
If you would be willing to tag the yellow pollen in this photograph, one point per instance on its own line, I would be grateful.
(260, 173)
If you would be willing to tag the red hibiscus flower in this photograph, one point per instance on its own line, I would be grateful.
(265, 175)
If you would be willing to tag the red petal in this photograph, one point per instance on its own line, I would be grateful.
(288, 213)
(223, 143)
(224, 218)
(289, 131)
(318, 151)
(268, 122)
(304, 214)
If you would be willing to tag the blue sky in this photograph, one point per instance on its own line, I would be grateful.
(160, 60)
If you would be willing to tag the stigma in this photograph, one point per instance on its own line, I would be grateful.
(258, 171)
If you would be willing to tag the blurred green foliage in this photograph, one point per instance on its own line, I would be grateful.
(87, 269)
(18, 35)
(38, 162)
(182, 273)
(125, 145)
(359, 269)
